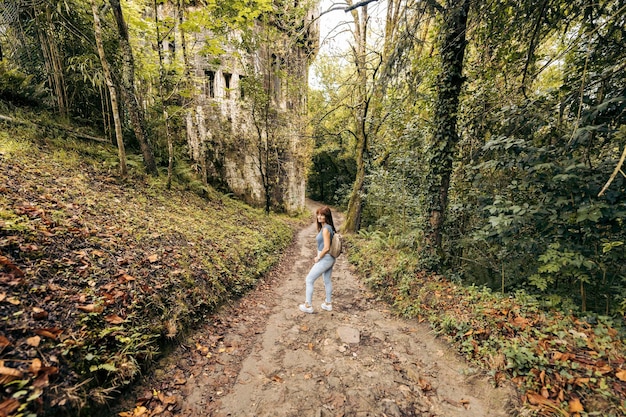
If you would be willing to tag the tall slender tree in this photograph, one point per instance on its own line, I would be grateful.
(97, 27)
(168, 135)
(128, 89)
(361, 107)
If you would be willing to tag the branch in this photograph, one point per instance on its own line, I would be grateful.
(531, 47)
(618, 169)
(359, 4)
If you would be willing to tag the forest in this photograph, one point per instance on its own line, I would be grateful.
(476, 147)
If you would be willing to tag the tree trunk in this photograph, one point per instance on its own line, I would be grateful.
(445, 139)
(355, 204)
(112, 91)
(52, 61)
(170, 143)
(188, 100)
(128, 89)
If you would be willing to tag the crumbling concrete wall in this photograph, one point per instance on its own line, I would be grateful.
(223, 130)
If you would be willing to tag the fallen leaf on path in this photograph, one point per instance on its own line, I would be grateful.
(575, 406)
(126, 278)
(5, 370)
(538, 399)
(13, 269)
(90, 308)
(4, 342)
(14, 301)
(157, 410)
(41, 381)
(35, 366)
(424, 385)
(33, 341)
(50, 333)
(153, 258)
(581, 382)
(559, 356)
(8, 406)
(39, 313)
(202, 349)
(114, 319)
(137, 412)
(621, 375)
(521, 322)
(167, 399)
(276, 378)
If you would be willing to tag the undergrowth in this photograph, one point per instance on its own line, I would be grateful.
(563, 365)
(98, 274)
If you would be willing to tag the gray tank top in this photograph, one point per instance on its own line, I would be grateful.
(320, 237)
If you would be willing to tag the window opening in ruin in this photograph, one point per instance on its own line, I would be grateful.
(227, 78)
(242, 87)
(171, 43)
(209, 83)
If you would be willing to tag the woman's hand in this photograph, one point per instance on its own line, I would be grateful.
(316, 259)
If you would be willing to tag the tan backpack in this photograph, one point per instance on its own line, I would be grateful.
(336, 245)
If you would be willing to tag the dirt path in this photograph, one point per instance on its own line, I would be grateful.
(263, 357)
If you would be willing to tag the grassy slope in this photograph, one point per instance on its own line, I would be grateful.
(563, 365)
(97, 274)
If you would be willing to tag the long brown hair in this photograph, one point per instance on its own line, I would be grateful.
(327, 215)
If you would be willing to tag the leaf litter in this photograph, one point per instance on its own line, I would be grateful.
(98, 276)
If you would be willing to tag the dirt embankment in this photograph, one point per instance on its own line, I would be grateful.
(263, 357)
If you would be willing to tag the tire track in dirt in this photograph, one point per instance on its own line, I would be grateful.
(263, 357)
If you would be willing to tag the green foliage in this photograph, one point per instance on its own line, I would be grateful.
(542, 128)
(333, 166)
(512, 336)
(19, 88)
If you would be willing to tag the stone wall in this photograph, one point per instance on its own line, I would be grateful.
(225, 127)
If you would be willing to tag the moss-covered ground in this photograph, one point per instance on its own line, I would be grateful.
(99, 275)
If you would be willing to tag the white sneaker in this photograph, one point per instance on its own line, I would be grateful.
(305, 309)
(327, 307)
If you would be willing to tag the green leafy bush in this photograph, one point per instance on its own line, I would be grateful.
(19, 88)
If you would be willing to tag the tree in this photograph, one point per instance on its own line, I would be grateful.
(361, 107)
(128, 89)
(112, 89)
(368, 104)
(441, 152)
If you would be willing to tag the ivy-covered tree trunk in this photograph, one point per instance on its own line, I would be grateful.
(128, 89)
(440, 154)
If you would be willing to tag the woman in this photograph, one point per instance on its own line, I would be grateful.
(323, 261)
